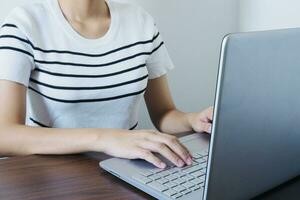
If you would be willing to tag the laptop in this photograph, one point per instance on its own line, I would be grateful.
(255, 141)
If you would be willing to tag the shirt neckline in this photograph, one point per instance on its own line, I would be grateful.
(81, 40)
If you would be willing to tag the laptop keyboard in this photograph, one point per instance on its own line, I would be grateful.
(176, 182)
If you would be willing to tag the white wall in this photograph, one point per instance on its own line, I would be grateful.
(193, 31)
(269, 14)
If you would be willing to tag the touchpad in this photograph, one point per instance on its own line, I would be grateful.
(197, 142)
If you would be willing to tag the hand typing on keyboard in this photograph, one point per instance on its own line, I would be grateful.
(141, 144)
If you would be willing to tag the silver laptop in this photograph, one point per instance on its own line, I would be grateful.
(255, 142)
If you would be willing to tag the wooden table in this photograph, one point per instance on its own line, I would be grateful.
(75, 177)
(79, 177)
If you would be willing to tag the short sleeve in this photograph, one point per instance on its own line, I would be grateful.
(159, 61)
(16, 55)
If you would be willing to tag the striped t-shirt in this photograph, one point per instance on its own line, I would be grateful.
(75, 82)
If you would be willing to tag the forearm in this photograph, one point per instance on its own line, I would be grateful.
(174, 121)
(25, 140)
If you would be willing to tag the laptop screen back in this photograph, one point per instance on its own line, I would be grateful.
(256, 132)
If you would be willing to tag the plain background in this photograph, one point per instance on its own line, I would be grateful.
(268, 14)
(193, 31)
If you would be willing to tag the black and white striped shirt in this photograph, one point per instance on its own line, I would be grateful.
(75, 82)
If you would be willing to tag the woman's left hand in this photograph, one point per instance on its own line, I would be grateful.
(202, 121)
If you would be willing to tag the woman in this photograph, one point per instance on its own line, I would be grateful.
(72, 75)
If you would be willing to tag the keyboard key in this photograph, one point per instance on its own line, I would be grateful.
(170, 184)
(142, 179)
(197, 174)
(185, 177)
(192, 187)
(197, 181)
(157, 186)
(185, 167)
(170, 192)
(205, 158)
(145, 173)
(197, 187)
(171, 177)
(176, 196)
(196, 155)
(192, 169)
(185, 192)
(189, 177)
(202, 178)
(154, 177)
(179, 188)
(179, 181)
(180, 174)
(189, 166)
(162, 180)
(203, 165)
(156, 170)
(188, 185)
(164, 173)
(173, 170)
(200, 160)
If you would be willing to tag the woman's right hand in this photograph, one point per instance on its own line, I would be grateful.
(141, 144)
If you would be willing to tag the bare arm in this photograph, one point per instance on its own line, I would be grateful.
(19, 139)
(166, 117)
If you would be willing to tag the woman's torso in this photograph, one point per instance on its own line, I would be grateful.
(77, 82)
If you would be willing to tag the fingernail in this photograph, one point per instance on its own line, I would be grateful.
(180, 163)
(162, 165)
(210, 129)
(189, 161)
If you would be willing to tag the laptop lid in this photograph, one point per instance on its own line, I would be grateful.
(255, 144)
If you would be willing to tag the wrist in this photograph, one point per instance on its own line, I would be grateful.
(96, 139)
(103, 139)
(189, 121)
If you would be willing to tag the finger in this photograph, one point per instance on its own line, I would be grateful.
(205, 127)
(151, 158)
(209, 113)
(164, 150)
(173, 143)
